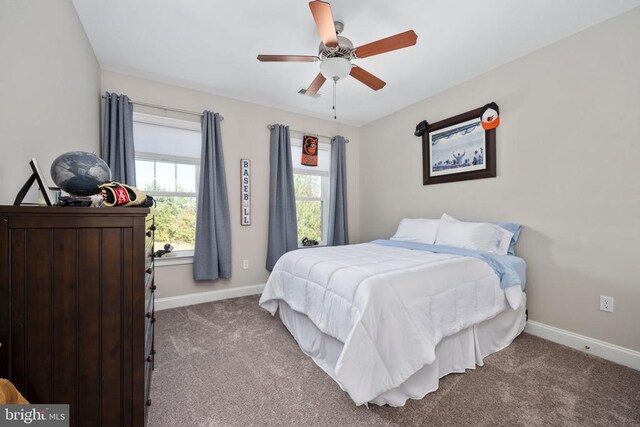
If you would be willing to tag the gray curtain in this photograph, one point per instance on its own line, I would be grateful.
(117, 138)
(212, 255)
(283, 228)
(338, 228)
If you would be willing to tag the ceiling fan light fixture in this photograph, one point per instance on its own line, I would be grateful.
(335, 67)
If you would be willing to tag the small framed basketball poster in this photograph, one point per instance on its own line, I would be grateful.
(245, 193)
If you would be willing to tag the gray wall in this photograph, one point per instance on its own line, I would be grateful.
(49, 86)
(244, 135)
(568, 155)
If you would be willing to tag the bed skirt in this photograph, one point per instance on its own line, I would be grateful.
(456, 353)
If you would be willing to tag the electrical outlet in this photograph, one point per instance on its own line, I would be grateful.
(245, 264)
(606, 303)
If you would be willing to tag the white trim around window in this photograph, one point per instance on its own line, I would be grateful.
(179, 256)
(324, 198)
(325, 175)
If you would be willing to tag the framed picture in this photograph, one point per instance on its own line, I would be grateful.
(458, 149)
(36, 175)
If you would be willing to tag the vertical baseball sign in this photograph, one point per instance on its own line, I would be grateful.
(245, 195)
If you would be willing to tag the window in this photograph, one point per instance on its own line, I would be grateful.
(167, 168)
(312, 193)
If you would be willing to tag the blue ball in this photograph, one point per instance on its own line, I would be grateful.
(79, 173)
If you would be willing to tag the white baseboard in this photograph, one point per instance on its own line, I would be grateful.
(202, 297)
(623, 356)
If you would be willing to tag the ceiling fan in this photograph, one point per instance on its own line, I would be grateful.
(336, 52)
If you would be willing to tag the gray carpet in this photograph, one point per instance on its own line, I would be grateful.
(229, 363)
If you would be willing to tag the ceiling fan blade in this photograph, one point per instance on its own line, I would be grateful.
(287, 58)
(367, 78)
(315, 85)
(321, 11)
(406, 39)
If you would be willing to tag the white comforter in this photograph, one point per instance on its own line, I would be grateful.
(390, 306)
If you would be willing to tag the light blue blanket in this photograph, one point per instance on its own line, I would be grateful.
(510, 269)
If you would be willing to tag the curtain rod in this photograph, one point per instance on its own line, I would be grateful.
(308, 133)
(162, 107)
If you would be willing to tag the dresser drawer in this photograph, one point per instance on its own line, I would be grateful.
(149, 231)
(147, 390)
(147, 381)
(149, 299)
(149, 316)
(148, 244)
(148, 260)
(149, 274)
(150, 351)
(148, 342)
(148, 360)
(149, 290)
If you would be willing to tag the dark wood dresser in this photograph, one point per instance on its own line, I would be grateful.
(77, 309)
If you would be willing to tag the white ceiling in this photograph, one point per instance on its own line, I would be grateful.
(212, 45)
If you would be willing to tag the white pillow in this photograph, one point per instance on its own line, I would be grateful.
(417, 230)
(480, 236)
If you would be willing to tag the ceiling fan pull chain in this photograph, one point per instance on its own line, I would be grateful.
(335, 111)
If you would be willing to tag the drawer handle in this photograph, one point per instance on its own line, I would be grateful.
(149, 233)
(148, 403)
(153, 352)
(148, 315)
(148, 359)
(152, 228)
(153, 287)
(149, 270)
(153, 320)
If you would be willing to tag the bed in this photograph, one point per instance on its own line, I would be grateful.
(387, 319)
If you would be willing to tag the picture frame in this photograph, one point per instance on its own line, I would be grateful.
(458, 149)
(36, 175)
